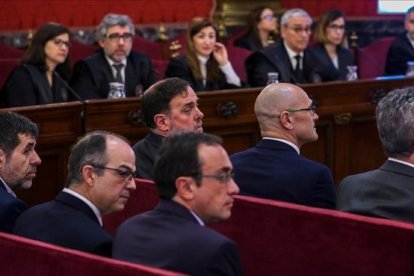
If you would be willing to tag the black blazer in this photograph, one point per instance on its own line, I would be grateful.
(146, 151)
(178, 67)
(247, 41)
(66, 221)
(400, 52)
(386, 192)
(275, 58)
(169, 237)
(92, 75)
(28, 85)
(344, 59)
(274, 170)
(10, 209)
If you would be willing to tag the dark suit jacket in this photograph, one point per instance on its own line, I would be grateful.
(146, 150)
(400, 52)
(169, 237)
(344, 59)
(247, 41)
(178, 67)
(92, 75)
(275, 58)
(28, 85)
(275, 170)
(10, 209)
(387, 192)
(66, 221)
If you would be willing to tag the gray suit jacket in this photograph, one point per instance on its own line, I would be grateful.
(387, 192)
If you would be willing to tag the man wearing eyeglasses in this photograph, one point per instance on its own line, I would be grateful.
(194, 178)
(274, 168)
(289, 57)
(114, 62)
(100, 180)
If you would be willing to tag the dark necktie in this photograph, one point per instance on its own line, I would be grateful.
(298, 72)
(118, 75)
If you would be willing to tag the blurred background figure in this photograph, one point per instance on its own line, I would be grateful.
(36, 81)
(329, 38)
(262, 28)
(205, 65)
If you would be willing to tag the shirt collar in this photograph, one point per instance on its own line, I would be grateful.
(290, 52)
(400, 161)
(111, 62)
(197, 218)
(284, 141)
(84, 199)
(10, 191)
(203, 60)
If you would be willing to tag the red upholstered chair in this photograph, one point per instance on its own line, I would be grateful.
(80, 51)
(155, 50)
(371, 59)
(160, 66)
(144, 198)
(6, 67)
(237, 58)
(280, 238)
(21, 256)
(10, 52)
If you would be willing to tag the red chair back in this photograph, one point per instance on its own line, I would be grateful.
(237, 57)
(6, 67)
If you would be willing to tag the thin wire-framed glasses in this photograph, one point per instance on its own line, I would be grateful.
(223, 177)
(311, 109)
(126, 174)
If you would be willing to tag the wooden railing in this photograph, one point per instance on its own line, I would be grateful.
(348, 141)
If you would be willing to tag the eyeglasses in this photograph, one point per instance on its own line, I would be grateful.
(336, 27)
(312, 110)
(223, 177)
(60, 42)
(298, 30)
(116, 37)
(126, 174)
(268, 17)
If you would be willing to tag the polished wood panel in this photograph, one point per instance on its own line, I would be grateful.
(348, 140)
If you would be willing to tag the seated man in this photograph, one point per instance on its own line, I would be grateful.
(18, 162)
(100, 179)
(290, 57)
(194, 180)
(274, 168)
(169, 105)
(115, 62)
(388, 191)
(402, 49)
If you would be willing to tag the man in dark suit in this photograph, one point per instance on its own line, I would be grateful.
(115, 62)
(388, 191)
(194, 180)
(100, 179)
(274, 168)
(289, 57)
(169, 105)
(402, 49)
(18, 162)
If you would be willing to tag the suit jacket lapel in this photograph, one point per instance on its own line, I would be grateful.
(76, 203)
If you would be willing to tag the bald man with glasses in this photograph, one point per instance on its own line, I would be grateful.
(289, 57)
(274, 168)
(101, 171)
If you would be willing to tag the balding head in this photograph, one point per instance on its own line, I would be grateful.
(271, 109)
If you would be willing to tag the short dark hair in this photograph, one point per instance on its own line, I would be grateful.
(11, 125)
(395, 116)
(178, 156)
(89, 150)
(35, 54)
(157, 98)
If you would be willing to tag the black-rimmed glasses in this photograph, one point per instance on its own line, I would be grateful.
(116, 37)
(126, 174)
(59, 42)
(223, 177)
(312, 110)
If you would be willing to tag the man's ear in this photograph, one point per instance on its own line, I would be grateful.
(162, 122)
(88, 175)
(2, 158)
(101, 42)
(286, 120)
(185, 186)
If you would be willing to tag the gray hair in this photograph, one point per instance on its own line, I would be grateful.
(294, 13)
(395, 122)
(111, 20)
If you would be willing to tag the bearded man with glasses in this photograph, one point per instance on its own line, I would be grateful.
(274, 168)
(101, 171)
(114, 62)
(290, 56)
(194, 178)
